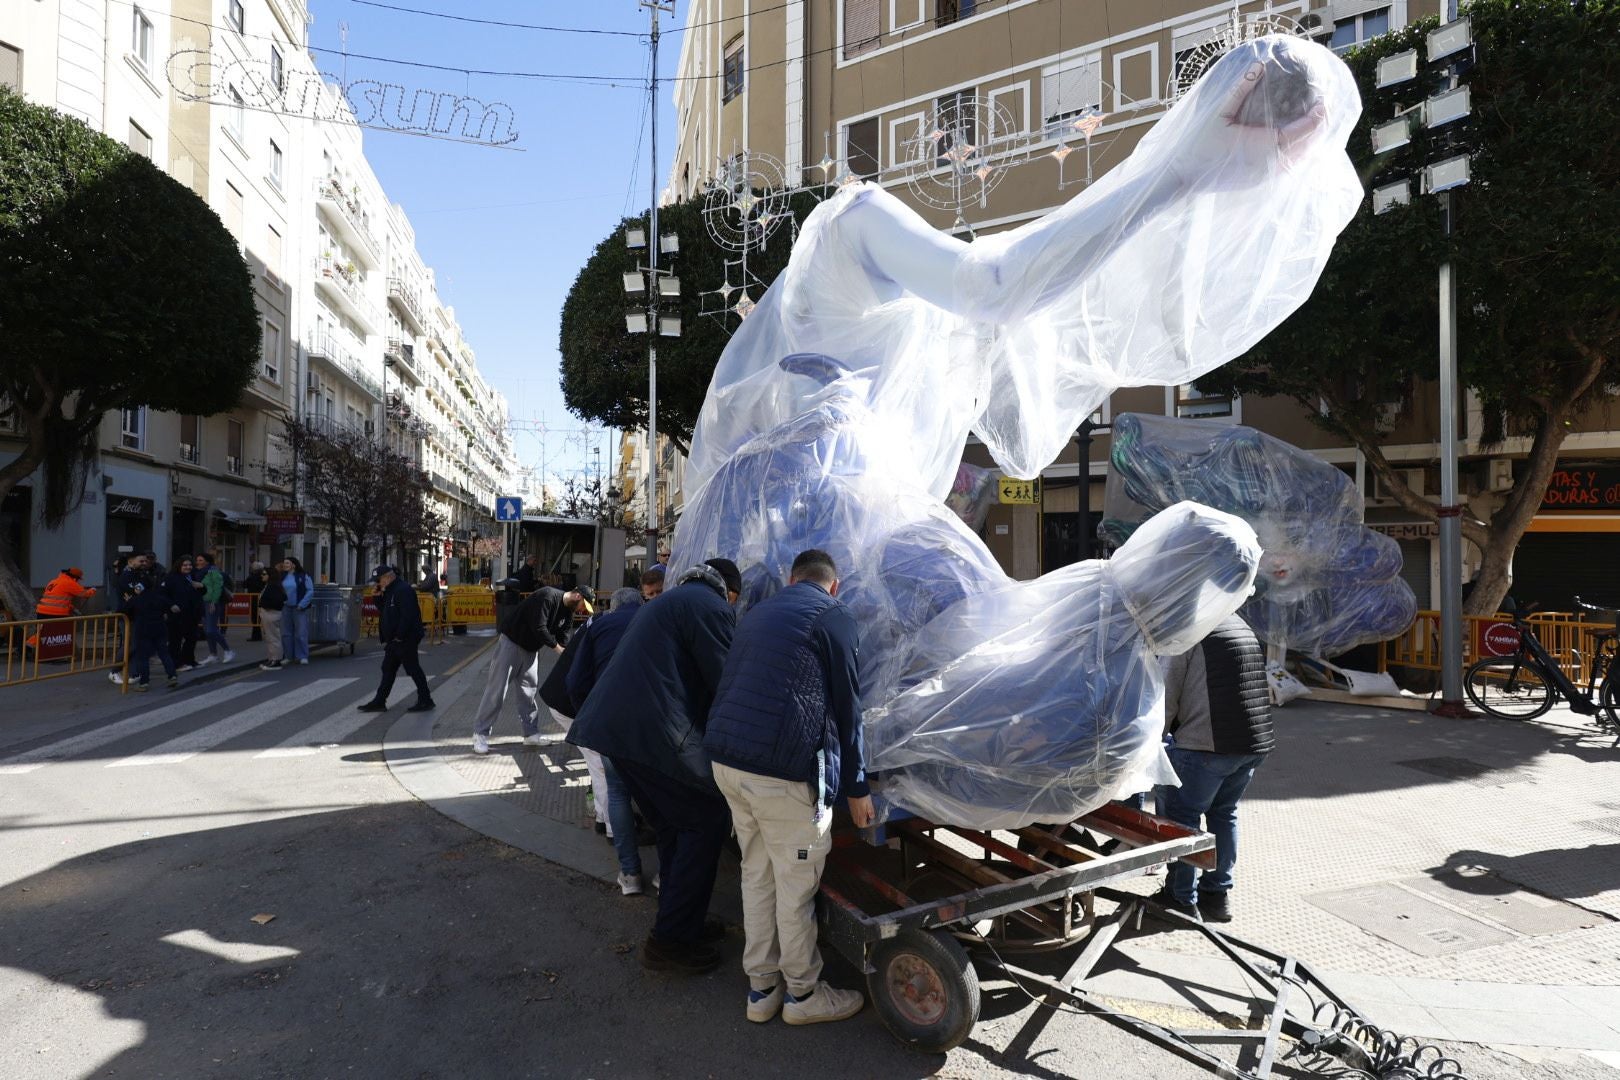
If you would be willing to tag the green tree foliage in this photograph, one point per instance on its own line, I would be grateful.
(1536, 250)
(604, 368)
(119, 287)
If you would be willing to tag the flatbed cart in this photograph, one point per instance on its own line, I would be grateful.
(905, 901)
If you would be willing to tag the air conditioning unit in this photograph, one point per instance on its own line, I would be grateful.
(312, 381)
(1499, 474)
(1413, 478)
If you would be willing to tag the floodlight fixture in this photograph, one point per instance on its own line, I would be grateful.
(669, 325)
(1444, 175)
(1450, 38)
(635, 237)
(669, 243)
(1445, 107)
(1392, 134)
(634, 283)
(635, 322)
(1388, 196)
(1396, 69)
(669, 286)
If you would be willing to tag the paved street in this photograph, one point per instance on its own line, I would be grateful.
(139, 848)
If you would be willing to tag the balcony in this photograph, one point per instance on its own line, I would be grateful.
(401, 355)
(338, 356)
(342, 206)
(444, 483)
(405, 302)
(344, 286)
(294, 15)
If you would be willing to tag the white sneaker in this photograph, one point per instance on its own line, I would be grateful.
(826, 1004)
(630, 884)
(763, 1005)
(185, 667)
(480, 743)
(209, 659)
(305, 660)
(536, 741)
(115, 678)
(229, 656)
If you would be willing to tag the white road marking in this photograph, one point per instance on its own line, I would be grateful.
(334, 729)
(41, 756)
(195, 742)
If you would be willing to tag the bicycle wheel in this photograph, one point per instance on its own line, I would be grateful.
(1510, 688)
(1609, 697)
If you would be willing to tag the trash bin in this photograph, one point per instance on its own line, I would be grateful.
(334, 616)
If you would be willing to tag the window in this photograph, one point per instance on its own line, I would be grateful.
(1069, 90)
(11, 66)
(1348, 33)
(1191, 401)
(275, 163)
(732, 85)
(233, 210)
(278, 70)
(133, 431)
(237, 16)
(238, 113)
(140, 141)
(191, 439)
(272, 254)
(958, 116)
(860, 26)
(861, 147)
(141, 38)
(949, 11)
(272, 352)
(8, 416)
(233, 447)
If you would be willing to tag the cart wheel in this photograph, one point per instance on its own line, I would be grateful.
(925, 990)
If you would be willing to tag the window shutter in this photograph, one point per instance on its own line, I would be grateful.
(1073, 88)
(860, 26)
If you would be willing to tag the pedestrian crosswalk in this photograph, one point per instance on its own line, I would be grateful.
(291, 721)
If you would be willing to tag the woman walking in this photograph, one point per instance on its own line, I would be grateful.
(184, 594)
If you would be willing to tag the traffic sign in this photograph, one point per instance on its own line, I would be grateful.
(1018, 492)
(508, 508)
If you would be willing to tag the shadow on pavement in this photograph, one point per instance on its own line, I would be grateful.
(1568, 873)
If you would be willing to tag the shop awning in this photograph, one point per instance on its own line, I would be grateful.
(240, 517)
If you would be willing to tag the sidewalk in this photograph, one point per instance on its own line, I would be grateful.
(1454, 879)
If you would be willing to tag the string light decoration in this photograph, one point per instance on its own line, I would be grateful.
(745, 203)
(961, 152)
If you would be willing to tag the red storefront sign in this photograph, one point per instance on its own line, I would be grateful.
(56, 640)
(283, 523)
(1496, 639)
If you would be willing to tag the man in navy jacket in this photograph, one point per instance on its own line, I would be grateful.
(784, 736)
(646, 714)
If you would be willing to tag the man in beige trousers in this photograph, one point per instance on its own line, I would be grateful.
(784, 737)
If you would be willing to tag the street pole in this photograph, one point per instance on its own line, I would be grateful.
(654, 9)
(1082, 437)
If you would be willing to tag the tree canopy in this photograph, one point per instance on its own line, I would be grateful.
(604, 368)
(1536, 249)
(119, 287)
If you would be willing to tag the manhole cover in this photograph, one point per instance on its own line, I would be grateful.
(1495, 898)
(1602, 824)
(1406, 919)
(1471, 772)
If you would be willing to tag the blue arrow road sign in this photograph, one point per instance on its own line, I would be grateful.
(508, 509)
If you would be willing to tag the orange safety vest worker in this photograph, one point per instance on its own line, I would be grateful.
(57, 603)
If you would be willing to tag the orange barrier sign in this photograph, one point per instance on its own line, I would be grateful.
(469, 607)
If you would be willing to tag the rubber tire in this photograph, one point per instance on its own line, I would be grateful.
(1609, 696)
(960, 983)
(1546, 703)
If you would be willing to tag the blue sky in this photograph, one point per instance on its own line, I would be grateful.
(506, 231)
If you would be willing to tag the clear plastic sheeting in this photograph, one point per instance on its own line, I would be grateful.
(1327, 583)
(838, 414)
(1045, 699)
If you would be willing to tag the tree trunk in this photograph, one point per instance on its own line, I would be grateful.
(15, 593)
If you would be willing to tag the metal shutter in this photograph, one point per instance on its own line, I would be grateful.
(860, 26)
(1550, 569)
(1073, 88)
(1415, 570)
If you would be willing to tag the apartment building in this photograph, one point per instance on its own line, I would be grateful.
(221, 93)
(1053, 93)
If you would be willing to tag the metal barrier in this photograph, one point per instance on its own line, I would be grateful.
(40, 649)
(1569, 638)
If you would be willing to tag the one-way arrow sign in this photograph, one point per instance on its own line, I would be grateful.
(508, 508)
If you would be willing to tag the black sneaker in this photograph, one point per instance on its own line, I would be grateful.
(685, 958)
(713, 930)
(374, 706)
(1166, 899)
(174, 682)
(1215, 906)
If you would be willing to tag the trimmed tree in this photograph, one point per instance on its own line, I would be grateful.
(119, 287)
(604, 368)
(1537, 251)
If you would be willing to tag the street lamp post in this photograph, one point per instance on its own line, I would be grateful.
(1082, 437)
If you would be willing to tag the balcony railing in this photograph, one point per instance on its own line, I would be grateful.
(405, 298)
(327, 346)
(344, 207)
(346, 285)
(403, 353)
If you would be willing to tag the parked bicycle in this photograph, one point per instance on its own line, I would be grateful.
(1527, 682)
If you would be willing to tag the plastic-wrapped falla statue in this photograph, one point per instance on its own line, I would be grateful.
(838, 413)
(1327, 583)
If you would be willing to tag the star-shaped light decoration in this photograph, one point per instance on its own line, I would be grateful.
(960, 153)
(983, 172)
(847, 179)
(936, 134)
(1086, 125)
(1060, 153)
(826, 164)
(745, 203)
(725, 291)
(744, 307)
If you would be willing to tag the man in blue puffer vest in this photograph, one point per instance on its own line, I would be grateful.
(784, 736)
